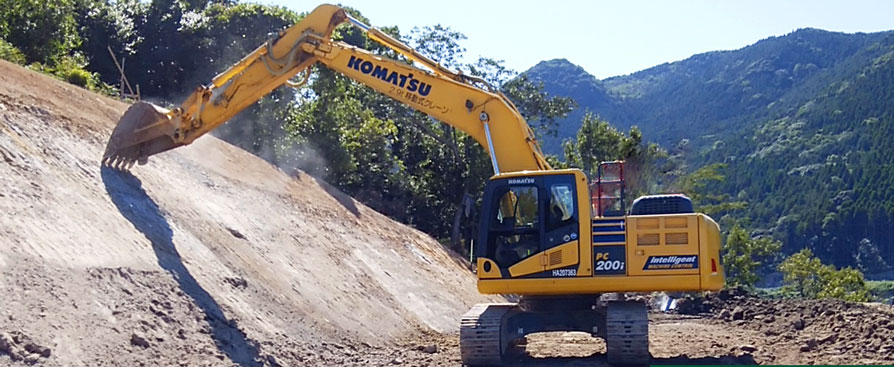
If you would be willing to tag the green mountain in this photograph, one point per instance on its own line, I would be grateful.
(804, 122)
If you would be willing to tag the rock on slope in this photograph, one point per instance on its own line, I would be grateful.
(207, 255)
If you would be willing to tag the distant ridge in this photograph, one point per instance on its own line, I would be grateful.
(803, 122)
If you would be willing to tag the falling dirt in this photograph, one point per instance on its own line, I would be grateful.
(209, 256)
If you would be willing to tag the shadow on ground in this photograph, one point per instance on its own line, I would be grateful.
(126, 191)
(346, 201)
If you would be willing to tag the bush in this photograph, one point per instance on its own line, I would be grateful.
(743, 256)
(10, 53)
(71, 69)
(79, 77)
(882, 290)
(805, 276)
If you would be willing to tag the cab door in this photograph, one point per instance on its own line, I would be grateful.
(512, 225)
(530, 227)
(561, 226)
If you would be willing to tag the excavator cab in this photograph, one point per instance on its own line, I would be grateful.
(531, 224)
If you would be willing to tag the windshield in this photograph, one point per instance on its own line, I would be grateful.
(518, 208)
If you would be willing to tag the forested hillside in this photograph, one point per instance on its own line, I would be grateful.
(802, 124)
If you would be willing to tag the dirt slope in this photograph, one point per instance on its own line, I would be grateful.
(207, 255)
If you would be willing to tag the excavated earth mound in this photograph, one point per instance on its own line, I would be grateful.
(820, 331)
(205, 256)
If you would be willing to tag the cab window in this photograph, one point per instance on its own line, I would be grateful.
(561, 205)
(518, 208)
(515, 231)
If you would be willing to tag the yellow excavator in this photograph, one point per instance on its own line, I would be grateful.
(563, 245)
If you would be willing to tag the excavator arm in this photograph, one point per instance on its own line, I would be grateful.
(464, 102)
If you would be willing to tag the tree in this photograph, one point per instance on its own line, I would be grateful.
(226, 33)
(10, 53)
(439, 43)
(700, 186)
(42, 30)
(806, 276)
(743, 255)
(102, 25)
(539, 108)
(597, 141)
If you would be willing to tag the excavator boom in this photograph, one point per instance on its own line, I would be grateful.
(146, 129)
(465, 102)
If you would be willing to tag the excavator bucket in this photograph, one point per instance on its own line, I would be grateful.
(144, 130)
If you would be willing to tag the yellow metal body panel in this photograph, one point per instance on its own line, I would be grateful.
(709, 232)
(651, 235)
(557, 257)
(561, 256)
(585, 224)
(531, 265)
(589, 285)
(494, 272)
(661, 235)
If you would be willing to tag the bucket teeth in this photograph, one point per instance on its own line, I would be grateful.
(144, 130)
(118, 162)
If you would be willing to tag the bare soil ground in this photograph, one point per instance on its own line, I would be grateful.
(209, 256)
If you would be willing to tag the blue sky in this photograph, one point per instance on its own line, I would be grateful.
(617, 37)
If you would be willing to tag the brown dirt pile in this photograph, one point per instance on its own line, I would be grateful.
(796, 330)
(206, 256)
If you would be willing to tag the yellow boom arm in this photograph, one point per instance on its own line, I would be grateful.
(465, 102)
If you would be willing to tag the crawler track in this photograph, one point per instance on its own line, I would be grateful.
(627, 333)
(480, 339)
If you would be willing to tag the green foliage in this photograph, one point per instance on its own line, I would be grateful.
(598, 141)
(440, 43)
(540, 109)
(882, 290)
(798, 126)
(806, 276)
(743, 256)
(103, 25)
(222, 35)
(702, 187)
(71, 69)
(79, 77)
(803, 274)
(10, 53)
(42, 30)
